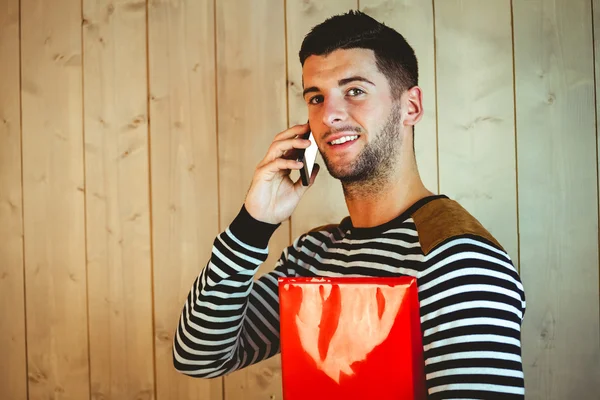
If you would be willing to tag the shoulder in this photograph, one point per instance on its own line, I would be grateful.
(443, 219)
(463, 257)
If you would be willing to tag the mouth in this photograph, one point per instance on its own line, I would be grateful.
(344, 140)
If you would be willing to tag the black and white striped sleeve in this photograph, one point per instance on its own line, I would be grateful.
(472, 307)
(230, 320)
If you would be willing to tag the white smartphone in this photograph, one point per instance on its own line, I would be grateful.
(308, 157)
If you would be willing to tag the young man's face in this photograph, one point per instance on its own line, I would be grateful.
(352, 115)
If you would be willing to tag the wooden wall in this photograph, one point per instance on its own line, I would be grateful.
(129, 132)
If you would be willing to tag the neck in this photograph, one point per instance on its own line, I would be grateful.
(385, 197)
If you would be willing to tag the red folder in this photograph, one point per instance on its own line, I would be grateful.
(351, 338)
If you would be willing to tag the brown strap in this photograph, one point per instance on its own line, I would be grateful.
(442, 219)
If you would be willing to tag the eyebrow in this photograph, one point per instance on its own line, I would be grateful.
(341, 82)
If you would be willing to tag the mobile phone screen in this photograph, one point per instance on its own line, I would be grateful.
(308, 157)
(310, 154)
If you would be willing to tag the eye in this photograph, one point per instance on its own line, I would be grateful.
(355, 92)
(315, 99)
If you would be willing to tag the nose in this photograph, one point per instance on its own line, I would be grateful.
(334, 111)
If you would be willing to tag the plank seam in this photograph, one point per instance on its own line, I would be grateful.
(435, 83)
(23, 201)
(150, 205)
(216, 133)
(514, 71)
(287, 92)
(596, 118)
(216, 66)
(85, 216)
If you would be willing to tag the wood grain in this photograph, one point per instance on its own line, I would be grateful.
(414, 20)
(558, 204)
(150, 249)
(476, 113)
(251, 111)
(184, 172)
(53, 200)
(324, 202)
(117, 199)
(13, 364)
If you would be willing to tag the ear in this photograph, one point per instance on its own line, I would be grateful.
(413, 105)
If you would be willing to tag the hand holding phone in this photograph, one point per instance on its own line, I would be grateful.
(273, 195)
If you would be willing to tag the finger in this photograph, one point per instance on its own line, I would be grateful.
(288, 148)
(285, 148)
(278, 165)
(292, 132)
(281, 145)
(293, 154)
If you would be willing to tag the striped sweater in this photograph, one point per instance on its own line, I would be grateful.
(471, 298)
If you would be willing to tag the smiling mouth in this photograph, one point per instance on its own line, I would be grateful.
(343, 140)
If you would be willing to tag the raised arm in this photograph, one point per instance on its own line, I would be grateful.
(229, 320)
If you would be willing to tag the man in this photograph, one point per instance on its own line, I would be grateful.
(360, 87)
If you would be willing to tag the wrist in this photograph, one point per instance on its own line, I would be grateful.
(252, 231)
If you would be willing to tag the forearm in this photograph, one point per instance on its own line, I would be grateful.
(209, 339)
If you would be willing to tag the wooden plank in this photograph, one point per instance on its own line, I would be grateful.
(324, 202)
(13, 364)
(476, 113)
(184, 172)
(117, 193)
(53, 200)
(558, 203)
(251, 111)
(251, 64)
(596, 41)
(414, 20)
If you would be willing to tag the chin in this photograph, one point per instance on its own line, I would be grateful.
(335, 171)
(344, 173)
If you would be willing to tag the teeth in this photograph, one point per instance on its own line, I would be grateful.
(344, 139)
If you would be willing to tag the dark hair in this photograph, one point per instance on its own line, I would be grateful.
(394, 57)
